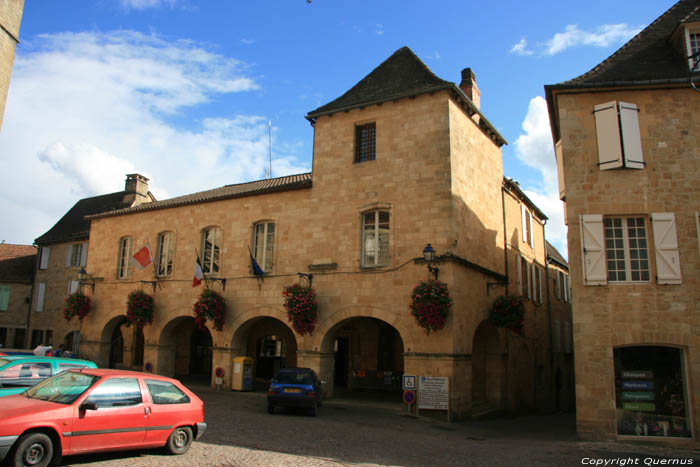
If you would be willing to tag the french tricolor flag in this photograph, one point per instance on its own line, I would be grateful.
(198, 274)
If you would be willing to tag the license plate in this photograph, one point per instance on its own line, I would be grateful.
(292, 390)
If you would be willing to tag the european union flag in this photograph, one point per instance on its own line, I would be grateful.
(257, 270)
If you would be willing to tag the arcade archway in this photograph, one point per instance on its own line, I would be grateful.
(271, 344)
(185, 351)
(489, 366)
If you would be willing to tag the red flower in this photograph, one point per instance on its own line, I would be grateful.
(430, 303)
(211, 305)
(302, 311)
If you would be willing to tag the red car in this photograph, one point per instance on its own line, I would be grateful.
(89, 410)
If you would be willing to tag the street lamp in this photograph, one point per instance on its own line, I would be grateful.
(429, 256)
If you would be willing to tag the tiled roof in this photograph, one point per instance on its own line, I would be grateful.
(553, 254)
(292, 182)
(17, 263)
(73, 226)
(401, 75)
(648, 58)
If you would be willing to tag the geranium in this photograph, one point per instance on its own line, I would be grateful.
(508, 312)
(211, 305)
(302, 310)
(78, 304)
(430, 303)
(139, 308)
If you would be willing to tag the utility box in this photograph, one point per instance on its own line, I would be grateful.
(242, 377)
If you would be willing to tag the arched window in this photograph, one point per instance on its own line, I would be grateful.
(125, 247)
(375, 238)
(211, 250)
(264, 244)
(164, 253)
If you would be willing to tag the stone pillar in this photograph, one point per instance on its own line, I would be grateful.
(222, 357)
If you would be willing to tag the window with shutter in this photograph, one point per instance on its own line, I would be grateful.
(40, 295)
(618, 135)
(44, 253)
(72, 287)
(83, 255)
(4, 298)
(519, 266)
(593, 254)
(668, 267)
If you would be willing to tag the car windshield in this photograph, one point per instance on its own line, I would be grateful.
(4, 361)
(289, 377)
(64, 388)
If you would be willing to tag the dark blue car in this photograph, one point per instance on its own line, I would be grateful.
(295, 388)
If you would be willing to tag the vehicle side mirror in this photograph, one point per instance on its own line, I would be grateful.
(88, 406)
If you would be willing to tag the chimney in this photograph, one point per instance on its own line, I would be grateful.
(136, 189)
(468, 85)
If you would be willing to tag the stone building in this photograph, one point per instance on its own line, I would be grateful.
(10, 19)
(401, 160)
(63, 254)
(626, 139)
(16, 279)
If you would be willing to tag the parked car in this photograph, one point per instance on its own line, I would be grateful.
(295, 388)
(5, 351)
(19, 372)
(89, 410)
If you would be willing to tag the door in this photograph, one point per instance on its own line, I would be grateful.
(119, 421)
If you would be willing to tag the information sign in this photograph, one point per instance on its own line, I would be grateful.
(409, 383)
(434, 393)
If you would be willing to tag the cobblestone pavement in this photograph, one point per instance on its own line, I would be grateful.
(370, 433)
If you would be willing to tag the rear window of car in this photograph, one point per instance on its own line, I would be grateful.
(164, 392)
(26, 371)
(288, 377)
(68, 366)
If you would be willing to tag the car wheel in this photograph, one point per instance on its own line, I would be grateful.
(179, 440)
(33, 449)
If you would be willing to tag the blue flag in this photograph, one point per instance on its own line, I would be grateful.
(257, 270)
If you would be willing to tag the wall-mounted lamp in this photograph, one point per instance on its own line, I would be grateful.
(86, 279)
(429, 256)
(308, 277)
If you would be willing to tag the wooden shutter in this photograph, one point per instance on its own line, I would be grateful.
(520, 274)
(44, 261)
(72, 287)
(529, 280)
(40, 294)
(607, 130)
(69, 253)
(523, 214)
(668, 266)
(593, 254)
(631, 137)
(83, 255)
(4, 298)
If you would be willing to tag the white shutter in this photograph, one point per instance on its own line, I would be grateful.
(631, 137)
(83, 254)
(45, 252)
(523, 214)
(529, 279)
(559, 153)
(668, 266)
(40, 294)
(4, 298)
(592, 243)
(69, 252)
(520, 274)
(72, 287)
(607, 130)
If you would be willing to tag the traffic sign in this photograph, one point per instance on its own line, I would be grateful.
(409, 383)
(409, 397)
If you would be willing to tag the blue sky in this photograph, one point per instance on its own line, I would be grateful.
(182, 91)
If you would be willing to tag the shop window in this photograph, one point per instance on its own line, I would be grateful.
(650, 392)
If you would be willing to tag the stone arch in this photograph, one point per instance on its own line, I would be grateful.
(360, 351)
(184, 349)
(111, 337)
(489, 368)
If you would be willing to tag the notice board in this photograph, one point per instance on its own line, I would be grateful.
(434, 393)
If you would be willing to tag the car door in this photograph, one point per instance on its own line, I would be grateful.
(169, 408)
(119, 420)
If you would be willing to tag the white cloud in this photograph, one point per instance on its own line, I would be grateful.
(379, 29)
(534, 148)
(521, 48)
(86, 109)
(144, 4)
(603, 36)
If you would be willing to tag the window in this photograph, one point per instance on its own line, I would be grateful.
(76, 255)
(626, 249)
(40, 295)
(694, 40)
(375, 238)
(619, 139)
(48, 337)
(24, 374)
(365, 145)
(116, 392)
(165, 253)
(211, 250)
(263, 244)
(37, 338)
(72, 287)
(125, 245)
(4, 298)
(526, 218)
(44, 253)
(524, 274)
(164, 392)
(651, 392)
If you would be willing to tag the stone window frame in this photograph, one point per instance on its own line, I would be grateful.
(266, 256)
(365, 142)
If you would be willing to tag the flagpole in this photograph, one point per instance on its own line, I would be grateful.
(206, 282)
